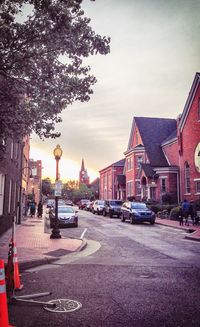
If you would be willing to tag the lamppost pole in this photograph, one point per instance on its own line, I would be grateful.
(55, 231)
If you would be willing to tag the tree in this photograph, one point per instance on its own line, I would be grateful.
(47, 186)
(35, 84)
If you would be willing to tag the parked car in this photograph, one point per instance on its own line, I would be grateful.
(87, 206)
(83, 203)
(112, 208)
(67, 216)
(69, 203)
(137, 212)
(91, 206)
(98, 207)
(51, 203)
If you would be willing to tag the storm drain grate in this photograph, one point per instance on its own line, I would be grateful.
(58, 253)
(63, 306)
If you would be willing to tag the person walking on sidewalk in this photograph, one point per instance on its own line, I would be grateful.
(192, 211)
(32, 208)
(185, 210)
(39, 209)
(180, 217)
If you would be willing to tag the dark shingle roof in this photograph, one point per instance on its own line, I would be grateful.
(149, 172)
(171, 137)
(121, 179)
(119, 163)
(153, 132)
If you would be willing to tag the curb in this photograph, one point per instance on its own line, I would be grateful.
(46, 260)
(187, 230)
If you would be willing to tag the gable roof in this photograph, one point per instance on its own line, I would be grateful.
(149, 172)
(153, 132)
(119, 163)
(170, 138)
(189, 101)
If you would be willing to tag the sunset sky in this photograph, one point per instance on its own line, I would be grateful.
(155, 53)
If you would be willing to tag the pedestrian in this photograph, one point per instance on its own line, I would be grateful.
(185, 210)
(39, 209)
(192, 212)
(180, 216)
(32, 208)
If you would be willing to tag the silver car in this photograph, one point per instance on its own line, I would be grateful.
(67, 216)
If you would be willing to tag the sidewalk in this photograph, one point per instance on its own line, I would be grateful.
(192, 230)
(34, 246)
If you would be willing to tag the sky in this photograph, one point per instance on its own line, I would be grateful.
(155, 53)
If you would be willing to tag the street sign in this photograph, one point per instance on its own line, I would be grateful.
(58, 188)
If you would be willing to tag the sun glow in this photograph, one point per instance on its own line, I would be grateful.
(68, 169)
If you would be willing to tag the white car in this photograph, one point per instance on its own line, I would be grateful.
(67, 216)
(98, 207)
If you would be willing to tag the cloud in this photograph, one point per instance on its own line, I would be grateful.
(155, 48)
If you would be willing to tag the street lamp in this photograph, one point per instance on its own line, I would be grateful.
(20, 191)
(55, 231)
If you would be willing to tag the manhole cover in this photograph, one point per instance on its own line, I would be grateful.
(63, 305)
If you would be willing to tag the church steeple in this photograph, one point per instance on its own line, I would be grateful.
(83, 175)
(82, 165)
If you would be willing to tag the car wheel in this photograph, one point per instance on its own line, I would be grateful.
(93, 211)
(110, 214)
(104, 213)
(98, 212)
(152, 222)
(122, 217)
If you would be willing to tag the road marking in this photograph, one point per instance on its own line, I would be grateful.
(83, 234)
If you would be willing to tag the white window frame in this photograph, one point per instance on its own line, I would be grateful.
(197, 186)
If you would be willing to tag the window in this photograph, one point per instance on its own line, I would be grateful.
(137, 188)
(2, 181)
(129, 163)
(197, 157)
(129, 188)
(163, 185)
(139, 159)
(197, 186)
(187, 177)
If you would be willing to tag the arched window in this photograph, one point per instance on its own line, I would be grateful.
(187, 178)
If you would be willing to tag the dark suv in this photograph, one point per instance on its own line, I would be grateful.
(112, 208)
(137, 212)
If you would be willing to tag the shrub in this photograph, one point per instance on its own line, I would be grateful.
(174, 213)
(169, 198)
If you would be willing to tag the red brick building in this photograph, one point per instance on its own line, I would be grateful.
(35, 184)
(162, 157)
(112, 186)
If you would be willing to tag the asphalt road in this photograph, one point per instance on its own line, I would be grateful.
(129, 275)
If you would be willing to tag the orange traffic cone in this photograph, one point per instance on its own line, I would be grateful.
(17, 284)
(3, 298)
